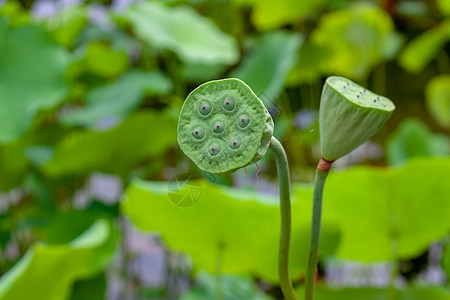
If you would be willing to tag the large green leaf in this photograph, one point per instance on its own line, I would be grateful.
(420, 51)
(194, 38)
(379, 209)
(32, 70)
(47, 272)
(357, 39)
(408, 293)
(115, 101)
(232, 287)
(438, 99)
(240, 226)
(413, 139)
(145, 134)
(266, 67)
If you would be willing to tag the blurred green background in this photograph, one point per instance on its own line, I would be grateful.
(98, 202)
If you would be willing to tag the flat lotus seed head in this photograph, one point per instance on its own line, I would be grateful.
(349, 115)
(229, 104)
(198, 132)
(225, 145)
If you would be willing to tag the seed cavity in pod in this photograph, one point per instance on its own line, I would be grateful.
(218, 127)
(228, 103)
(204, 107)
(243, 120)
(214, 149)
(235, 142)
(198, 132)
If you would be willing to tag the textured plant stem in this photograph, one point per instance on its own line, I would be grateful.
(319, 181)
(285, 209)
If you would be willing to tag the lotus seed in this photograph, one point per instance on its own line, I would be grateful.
(243, 120)
(204, 107)
(198, 132)
(219, 127)
(229, 103)
(214, 149)
(235, 142)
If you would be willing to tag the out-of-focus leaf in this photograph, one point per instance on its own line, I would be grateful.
(357, 39)
(446, 259)
(438, 99)
(194, 38)
(233, 288)
(47, 272)
(145, 134)
(240, 226)
(423, 49)
(444, 6)
(103, 60)
(200, 73)
(376, 207)
(117, 100)
(14, 12)
(266, 67)
(32, 70)
(413, 139)
(67, 24)
(14, 165)
(90, 289)
(408, 293)
(270, 14)
(308, 67)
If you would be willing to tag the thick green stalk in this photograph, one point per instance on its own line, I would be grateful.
(285, 209)
(319, 181)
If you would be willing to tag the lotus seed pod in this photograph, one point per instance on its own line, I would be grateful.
(349, 115)
(224, 126)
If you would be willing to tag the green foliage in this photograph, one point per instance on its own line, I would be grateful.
(193, 38)
(32, 70)
(409, 293)
(414, 139)
(424, 48)
(244, 225)
(266, 67)
(48, 271)
(148, 133)
(233, 287)
(117, 100)
(375, 208)
(355, 40)
(438, 99)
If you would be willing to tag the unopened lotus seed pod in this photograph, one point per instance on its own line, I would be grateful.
(349, 116)
(224, 126)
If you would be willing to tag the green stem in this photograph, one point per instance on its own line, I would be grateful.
(319, 181)
(285, 209)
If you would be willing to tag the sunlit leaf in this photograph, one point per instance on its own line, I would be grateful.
(381, 209)
(412, 139)
(357, 39)
(438, 99)
(117, 100)
(195, 39)
(32, 70)
(266, 67)
(270, 14)
(408, 293)
(444, 6)
(423, 49)
(240, 226)
(47, 272)
(145, 134)
(232, 287)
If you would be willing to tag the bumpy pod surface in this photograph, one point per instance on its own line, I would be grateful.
(224, 126)
(349, 115)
